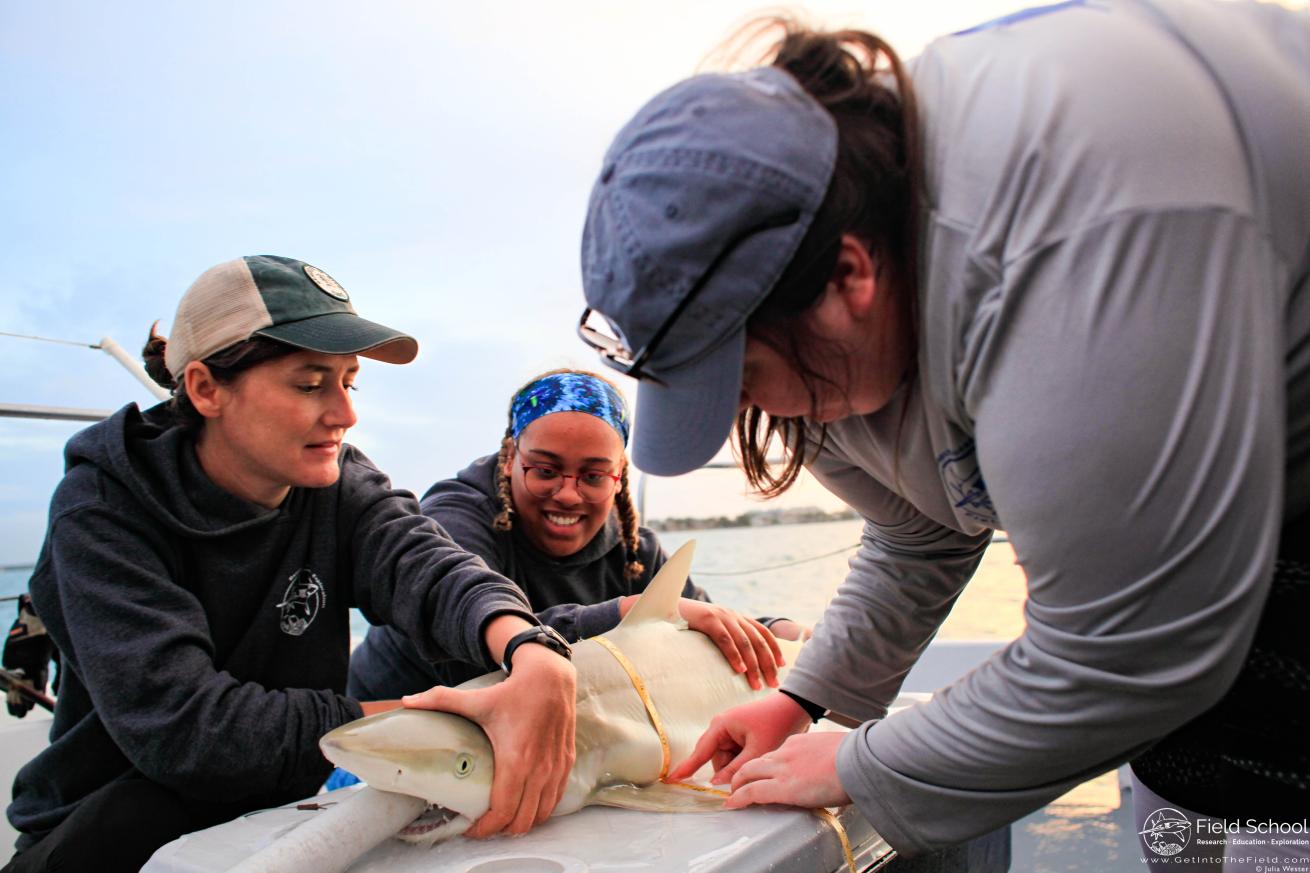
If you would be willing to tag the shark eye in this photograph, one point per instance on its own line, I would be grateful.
(463, 765)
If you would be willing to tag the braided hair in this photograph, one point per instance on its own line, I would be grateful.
(633, 568)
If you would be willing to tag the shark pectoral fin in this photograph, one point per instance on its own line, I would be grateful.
(661, 797)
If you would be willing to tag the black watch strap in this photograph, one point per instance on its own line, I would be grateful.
(541, 635)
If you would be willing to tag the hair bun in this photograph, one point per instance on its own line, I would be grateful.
(152, 355)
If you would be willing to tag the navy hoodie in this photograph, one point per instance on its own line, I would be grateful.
(577, 595)
(205, 639)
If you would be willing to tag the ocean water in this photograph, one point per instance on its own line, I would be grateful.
(784, 570)
(12, 583)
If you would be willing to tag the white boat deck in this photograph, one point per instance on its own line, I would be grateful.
(593, 840)
(1089, 829)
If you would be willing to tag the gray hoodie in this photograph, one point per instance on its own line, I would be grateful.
(205, 639)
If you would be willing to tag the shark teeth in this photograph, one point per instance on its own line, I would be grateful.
(434, 823)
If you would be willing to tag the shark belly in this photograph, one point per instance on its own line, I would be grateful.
(686, 678)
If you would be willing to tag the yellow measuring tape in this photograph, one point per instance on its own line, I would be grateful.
(835, 824)
(654, 716)
(645, 699)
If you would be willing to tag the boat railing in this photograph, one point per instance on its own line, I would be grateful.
(64, 413)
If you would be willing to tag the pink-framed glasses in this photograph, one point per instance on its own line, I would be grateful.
(593, 486)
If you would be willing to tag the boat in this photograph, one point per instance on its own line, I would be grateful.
(595, 839)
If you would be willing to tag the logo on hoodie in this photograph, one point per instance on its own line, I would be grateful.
(304, 597)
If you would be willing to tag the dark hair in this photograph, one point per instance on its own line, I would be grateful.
(873, 195)
(628, 521)
(224, 365)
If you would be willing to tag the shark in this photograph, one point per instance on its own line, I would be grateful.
(646, 691)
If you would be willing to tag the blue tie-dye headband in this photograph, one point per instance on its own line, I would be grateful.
(569, 392)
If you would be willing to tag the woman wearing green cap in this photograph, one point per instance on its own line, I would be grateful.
(1051, 278)
(197, 574)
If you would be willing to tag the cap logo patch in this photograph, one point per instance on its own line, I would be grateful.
(326, 283)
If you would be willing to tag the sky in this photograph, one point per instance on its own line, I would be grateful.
(435, 158)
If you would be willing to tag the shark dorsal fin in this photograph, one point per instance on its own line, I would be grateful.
(659, 602)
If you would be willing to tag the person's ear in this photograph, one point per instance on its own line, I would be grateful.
(848, 300)
(206, 393)
(507, 470)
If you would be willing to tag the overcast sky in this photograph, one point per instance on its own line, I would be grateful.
(434, 158)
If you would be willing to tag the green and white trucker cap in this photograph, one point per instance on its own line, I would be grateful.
(282, 299)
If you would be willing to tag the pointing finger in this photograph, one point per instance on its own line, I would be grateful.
(715, 739)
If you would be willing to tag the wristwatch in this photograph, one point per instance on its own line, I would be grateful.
(542, 636)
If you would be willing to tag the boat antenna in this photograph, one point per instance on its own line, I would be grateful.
(60, 413)
(111, 348)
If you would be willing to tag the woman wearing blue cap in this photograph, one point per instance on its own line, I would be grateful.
(197, 574)
(1052, 278)
(553, 511)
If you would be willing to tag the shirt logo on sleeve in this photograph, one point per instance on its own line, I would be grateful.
(965, 485)
(304, 597)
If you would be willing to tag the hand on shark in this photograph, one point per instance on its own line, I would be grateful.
(743, 733)
(801, 772)
(529, 719)
(763, 749)
(748, 645)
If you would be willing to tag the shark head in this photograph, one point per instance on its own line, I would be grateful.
(443, 758)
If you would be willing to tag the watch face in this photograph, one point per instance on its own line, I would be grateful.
(551, 637)
(542, 635)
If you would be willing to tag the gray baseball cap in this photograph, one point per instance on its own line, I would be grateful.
(280, 298)
(703, 198)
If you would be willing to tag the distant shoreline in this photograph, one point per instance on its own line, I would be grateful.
(754, 518)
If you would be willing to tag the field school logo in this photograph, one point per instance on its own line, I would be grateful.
(304, 597)
(1166, 832)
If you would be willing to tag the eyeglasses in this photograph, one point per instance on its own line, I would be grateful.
(629, 363)
(592, 486)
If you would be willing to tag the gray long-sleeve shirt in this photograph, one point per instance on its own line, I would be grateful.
(1114, 367)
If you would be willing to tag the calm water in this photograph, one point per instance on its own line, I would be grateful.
(990, 608)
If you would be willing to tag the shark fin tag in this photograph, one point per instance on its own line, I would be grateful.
(659, 602)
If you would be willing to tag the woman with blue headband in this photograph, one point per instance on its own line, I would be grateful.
(552, 511)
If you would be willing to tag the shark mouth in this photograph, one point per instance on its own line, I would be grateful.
(433, 824)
